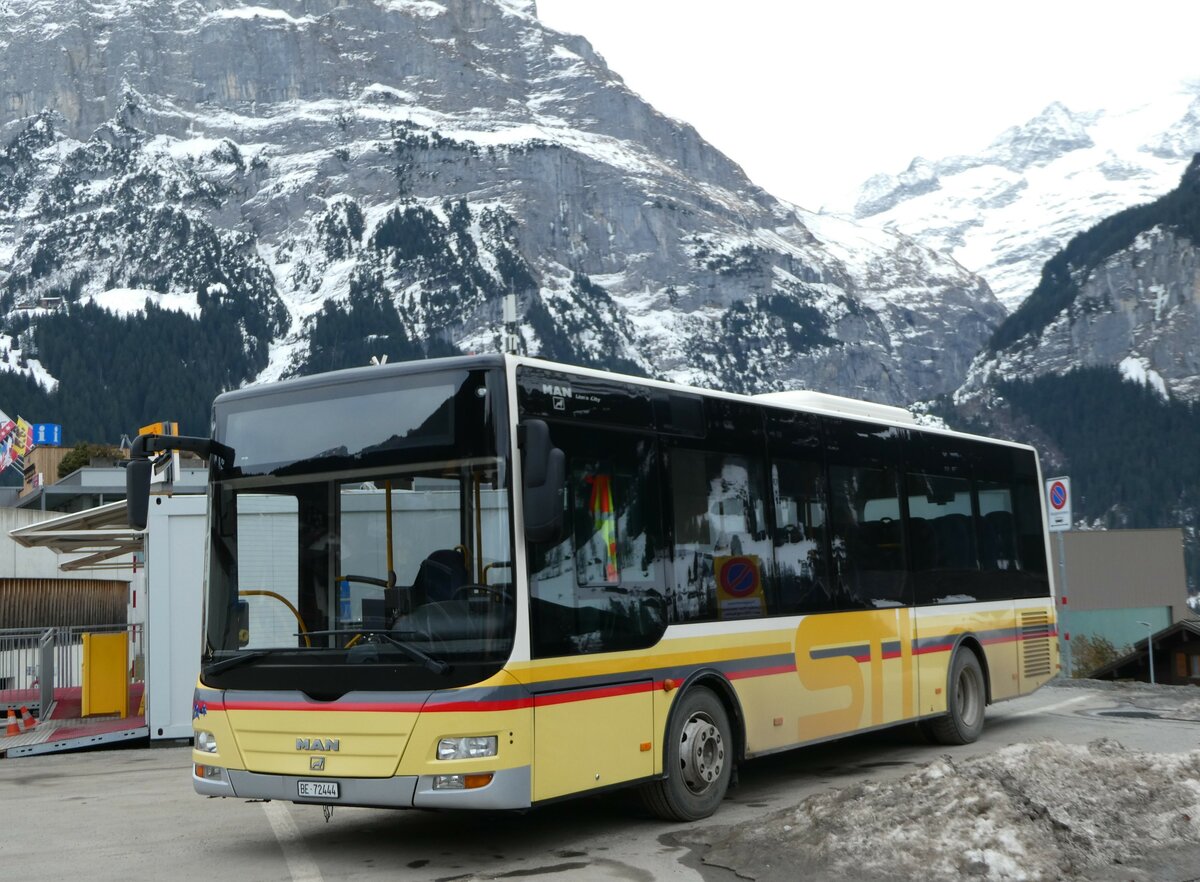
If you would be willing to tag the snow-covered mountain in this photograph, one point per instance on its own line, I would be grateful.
(1100, 368)
(1003, 212)
(320, 181)
(1125, 295)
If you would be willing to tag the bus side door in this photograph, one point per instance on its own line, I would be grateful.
(596, 596)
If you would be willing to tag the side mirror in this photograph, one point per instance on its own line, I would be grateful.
(137, 492)
(140, 468)
(545, 470)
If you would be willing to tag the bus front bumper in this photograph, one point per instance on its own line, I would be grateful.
(509, 789)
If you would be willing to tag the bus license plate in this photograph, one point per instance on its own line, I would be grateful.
(318, 789)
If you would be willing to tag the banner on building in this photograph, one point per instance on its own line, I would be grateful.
(8, 435)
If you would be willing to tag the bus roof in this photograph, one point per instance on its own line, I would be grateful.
(803, 399)
(371, 372)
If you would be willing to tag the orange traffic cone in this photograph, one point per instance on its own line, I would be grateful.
(14, 728)
(27, 720)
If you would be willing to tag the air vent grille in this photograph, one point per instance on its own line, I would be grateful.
(1035, 644)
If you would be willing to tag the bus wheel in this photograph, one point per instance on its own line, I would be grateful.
(699, 760)
(967, 700)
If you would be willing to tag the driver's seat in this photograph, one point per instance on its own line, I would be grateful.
(439, 576)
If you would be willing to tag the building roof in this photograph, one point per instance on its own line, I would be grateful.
(99, 534)
(1111, 671)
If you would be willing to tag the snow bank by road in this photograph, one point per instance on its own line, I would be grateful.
(1041, 811)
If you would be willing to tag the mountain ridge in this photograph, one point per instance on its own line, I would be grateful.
(367, 205)
(1004, 211)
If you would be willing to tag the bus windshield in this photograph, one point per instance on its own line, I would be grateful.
(362, 537)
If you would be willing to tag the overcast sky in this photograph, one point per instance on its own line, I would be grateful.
(813, 96)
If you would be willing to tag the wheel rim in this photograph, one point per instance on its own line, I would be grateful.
(968, 696)
(701, 753)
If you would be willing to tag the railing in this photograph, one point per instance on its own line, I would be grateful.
(36, 661)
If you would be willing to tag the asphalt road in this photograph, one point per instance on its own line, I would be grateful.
(131, 814)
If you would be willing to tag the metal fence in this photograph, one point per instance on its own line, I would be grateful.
(36, 661)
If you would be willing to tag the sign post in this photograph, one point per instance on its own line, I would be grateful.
(1058, 520)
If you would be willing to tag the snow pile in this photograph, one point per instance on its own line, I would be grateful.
(1040, 811)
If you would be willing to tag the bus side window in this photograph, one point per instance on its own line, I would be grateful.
(600, 588)
(720, 518)
(997, 533)
(941, 531)
(866, 538)
(1012, 550)
(801, 552)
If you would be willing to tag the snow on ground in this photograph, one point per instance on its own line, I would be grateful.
(1138, 370)
(1036, 812)
(11, 360)
(262, 12)
(128, 301)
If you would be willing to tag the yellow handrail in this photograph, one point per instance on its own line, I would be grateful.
(285, 602)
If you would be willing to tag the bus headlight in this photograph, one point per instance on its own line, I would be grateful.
(462, 782)
(472, 747)
(206, 741)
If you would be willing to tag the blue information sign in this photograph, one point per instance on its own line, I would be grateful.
(47, 434)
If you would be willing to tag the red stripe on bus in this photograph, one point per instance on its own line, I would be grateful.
(350, 707)
(1012, 638)
(596, 692)
(762, 672)
(479, 706)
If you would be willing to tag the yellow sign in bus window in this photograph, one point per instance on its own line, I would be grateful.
(739, 587)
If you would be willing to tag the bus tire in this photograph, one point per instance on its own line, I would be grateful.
(966, 702)
(699, 760)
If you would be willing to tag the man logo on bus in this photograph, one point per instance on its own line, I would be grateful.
(328, 745)
(558, 395)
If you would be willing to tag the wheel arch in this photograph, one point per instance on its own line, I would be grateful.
(717, 683)
(972, 643)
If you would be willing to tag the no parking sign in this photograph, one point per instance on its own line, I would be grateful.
(1058, 504)
(739, 586)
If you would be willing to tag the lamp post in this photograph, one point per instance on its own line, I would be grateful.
(1150, 648)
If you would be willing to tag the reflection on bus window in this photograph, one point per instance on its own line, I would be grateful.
(800, 538)
(600, 588)
(720, 513)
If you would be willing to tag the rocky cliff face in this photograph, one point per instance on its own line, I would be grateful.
(1125, 294)
(1139, 311)
(341, 180)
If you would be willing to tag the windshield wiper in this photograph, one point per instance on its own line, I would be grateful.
(232, 662)
(431, 664)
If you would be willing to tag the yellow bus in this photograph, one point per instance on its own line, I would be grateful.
(493, 582)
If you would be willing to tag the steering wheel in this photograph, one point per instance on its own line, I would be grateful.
(431, 622)
(390, 582)
(468, 590)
